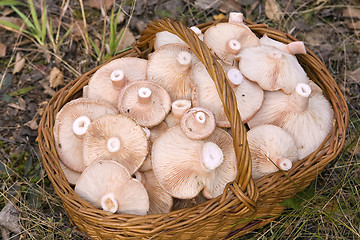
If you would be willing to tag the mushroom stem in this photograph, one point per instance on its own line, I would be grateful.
(275, 54)
(80, 125)
(109, 203)
(184, 60)
(198, 32)
(236, 18)
(85, 91)
(200, 118)
(284, 163)
(235, 78)
(233, 46)
(179, 107)
(140, 177)
(211, 156)
(118, 79)
(113, 144)
(296, 47)
(147, 133)
(299, 99)
(144, 95)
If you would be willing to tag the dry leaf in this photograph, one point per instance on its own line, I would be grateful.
(19, 63)
(207, 4)
(355, 75)
(127, 40)
(21, 104)
(47, 89)
(99, 3)
(219, 16)
(2, 50)
(352, 18)
(273, 10)
(230, 6)
(32, 124)
(56, 77)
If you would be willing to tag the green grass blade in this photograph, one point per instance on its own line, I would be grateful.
(64, 36)
(15, 27)
(97, 50)
(112, 31)
(11, 3)
(43, 24)
(21, 91)
(27, 22)
(34, 16)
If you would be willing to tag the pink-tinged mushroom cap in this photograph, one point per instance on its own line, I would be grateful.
(178, 109)
(279, 70)
(108, 80)
(207, 95)
(170, 66)
(109, 186)
(145, 102)
(71, 124)
(306, 114)
(184, 166)
(160, 200)
(296, 47)
(271, 149)
(227, 39)
(117, 138)
(198, 123)
(165, 37)
(70, 175)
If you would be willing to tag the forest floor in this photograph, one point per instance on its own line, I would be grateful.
(37, 62)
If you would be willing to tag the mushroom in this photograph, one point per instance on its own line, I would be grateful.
(165, 37)
(249, 96)
(184, 166)
(145, 102)
(118, 138)
(71, 124)
(207, 95)
(187, 203)
(178, 108)
(109, 79)
(296, 47)
(198, 123)
(160, 201)
(169, 66)
(108, 185)
(227, 39)
(306, 114)
(279, 70)
(70, 175)
(271, 149)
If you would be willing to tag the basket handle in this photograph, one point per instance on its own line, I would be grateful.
(243, 180)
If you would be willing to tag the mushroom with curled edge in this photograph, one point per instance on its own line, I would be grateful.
(109, 186)
(198, 123)
(296, 47)
(306, 114)
(109, 79)
(70, 175)
(165, 37)
(117, 138)
(178, 108)
(279, 70)
(160, 201)
(184, 166)
(146, 102)
(71, 124)
(227, 39)
(271, 149)
(249, 96)
(170, 67)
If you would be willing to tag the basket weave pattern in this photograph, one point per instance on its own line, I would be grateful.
(245, 205)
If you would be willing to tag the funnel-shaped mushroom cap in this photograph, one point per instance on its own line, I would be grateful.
(109, 186)
(296, 47)
(160, 200)
(178, 109)
(279, 70)
(249, 96)
(306, 114)
(184, 167)
(164, 38)
(145, 102)
(70, 175)
(170, 66)
(108, 80)
(227, 39)
(271, 148)
(71, 123)
(118, 138)
(207, 95)
(198, 123)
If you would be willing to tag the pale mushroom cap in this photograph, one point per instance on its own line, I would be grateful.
(207, 95)
(309, 127)
(132, 143)
(198, 123)
(108, 184)
(178, 108)
(291, 48)
(160, 200)
(68, 145)
(165, 70)
(279, 70)
(157, 131)
(147, 114)
(165, 37)
(270, 145)
(218, 36)
(70, 175)
(101, 86)
(177, 166)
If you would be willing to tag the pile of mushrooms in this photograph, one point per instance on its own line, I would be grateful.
(150, 135)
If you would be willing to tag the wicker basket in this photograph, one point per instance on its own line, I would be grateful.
(245, 205)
